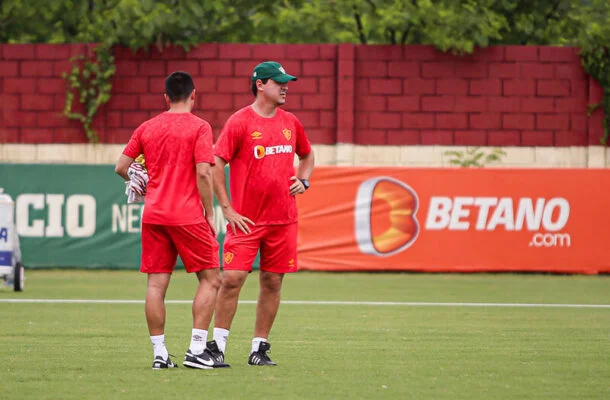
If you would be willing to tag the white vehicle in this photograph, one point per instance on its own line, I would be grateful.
(11, 265)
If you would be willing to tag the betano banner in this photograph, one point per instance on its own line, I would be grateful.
(456, 219)
(369, 219)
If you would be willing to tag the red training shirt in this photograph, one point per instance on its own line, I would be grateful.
(172, 144)
(260, 152)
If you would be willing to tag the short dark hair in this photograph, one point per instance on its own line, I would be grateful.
(254, 89)
(179, 86)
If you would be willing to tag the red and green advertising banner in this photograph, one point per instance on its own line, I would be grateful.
(351, 219)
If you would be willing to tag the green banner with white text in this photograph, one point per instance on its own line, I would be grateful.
(76, 216)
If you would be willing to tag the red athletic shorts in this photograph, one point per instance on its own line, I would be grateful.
(161, 245)
(277, 243)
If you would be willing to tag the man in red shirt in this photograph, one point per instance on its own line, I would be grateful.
(259, 143)
(178, 216)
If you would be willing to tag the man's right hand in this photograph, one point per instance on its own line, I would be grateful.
(210, 219)
(237, 220)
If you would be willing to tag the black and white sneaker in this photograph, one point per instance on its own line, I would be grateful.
(160, 363)
(211, 357)
(260, 357)
(217, 355)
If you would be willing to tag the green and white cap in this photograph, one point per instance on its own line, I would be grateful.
(272, 70)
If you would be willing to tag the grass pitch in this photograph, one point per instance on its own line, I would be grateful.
(324, 351)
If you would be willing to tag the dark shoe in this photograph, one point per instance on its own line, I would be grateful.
(208, 359)
(160, 363)
(260, 357)
(217, 355)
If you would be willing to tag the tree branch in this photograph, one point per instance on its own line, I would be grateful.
(360, 27)
(390, 35)
(405, 35)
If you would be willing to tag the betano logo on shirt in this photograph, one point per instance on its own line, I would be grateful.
(262, 151)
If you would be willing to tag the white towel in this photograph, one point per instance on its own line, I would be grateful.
(135, 187)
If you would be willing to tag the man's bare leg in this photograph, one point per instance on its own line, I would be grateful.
(205, 298)
(266, 310)
(155, 303)
(155, 312)
(226, 305)
(203, 308)
(268, 302)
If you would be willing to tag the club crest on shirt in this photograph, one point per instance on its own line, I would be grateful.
(229, 257)
(256, 135)
(287, 133)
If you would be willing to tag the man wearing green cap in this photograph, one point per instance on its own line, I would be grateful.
(260, 142)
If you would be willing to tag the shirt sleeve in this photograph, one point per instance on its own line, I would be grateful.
(134, 146)
(204, 149)
(303, 147)
(227, 144)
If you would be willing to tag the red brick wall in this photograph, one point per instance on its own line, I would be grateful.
(394, 95)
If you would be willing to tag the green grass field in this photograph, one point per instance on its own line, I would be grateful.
(324, 351)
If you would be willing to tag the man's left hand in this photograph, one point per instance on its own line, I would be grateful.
(296, 187)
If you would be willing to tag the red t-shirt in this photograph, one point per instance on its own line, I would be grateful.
(260, 152)
(172, 144)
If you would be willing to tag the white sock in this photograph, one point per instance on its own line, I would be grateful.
(198, 339)
(255, 343)
(158, 343)
(220, 337)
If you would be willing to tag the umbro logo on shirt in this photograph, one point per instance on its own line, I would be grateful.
(256, 135)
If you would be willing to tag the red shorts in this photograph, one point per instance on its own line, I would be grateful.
(277, 243)
(161, 245)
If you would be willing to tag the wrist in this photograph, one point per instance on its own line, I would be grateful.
(305, 183)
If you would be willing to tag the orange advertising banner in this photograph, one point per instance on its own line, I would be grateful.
(455, 220)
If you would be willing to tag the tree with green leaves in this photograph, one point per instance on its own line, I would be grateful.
(454, 25)
(458, 26)
(594, 42)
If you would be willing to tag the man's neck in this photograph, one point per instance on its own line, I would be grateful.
(179, 108)
(263, 108)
